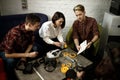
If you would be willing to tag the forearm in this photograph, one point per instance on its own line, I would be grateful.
(95, 38)
(76, 42)
(60, 38)
(16, 55)
(48, 40)
(26, 52)
(29, 48)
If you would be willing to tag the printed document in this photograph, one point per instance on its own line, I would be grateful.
(83, 46)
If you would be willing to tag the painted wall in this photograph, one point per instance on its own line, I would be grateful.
(94, 8)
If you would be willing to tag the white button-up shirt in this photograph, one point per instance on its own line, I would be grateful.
(48, 32)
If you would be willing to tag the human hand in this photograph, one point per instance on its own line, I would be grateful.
(58, 44)
(64, 45)
(32, 54)
(80, 74)
(78, 48)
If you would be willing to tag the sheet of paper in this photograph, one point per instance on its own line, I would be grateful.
(83, 46)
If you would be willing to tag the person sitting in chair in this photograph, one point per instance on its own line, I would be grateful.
(85, 28)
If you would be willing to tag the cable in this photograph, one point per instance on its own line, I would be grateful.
(38, 73)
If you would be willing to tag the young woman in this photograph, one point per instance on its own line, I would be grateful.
(51, 33)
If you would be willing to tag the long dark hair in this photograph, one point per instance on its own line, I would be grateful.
(57, 16)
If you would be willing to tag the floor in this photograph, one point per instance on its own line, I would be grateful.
(56, 74)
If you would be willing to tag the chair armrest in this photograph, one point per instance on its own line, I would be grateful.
(69, 39)
(97, 43)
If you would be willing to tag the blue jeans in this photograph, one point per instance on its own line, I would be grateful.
(10, 64)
